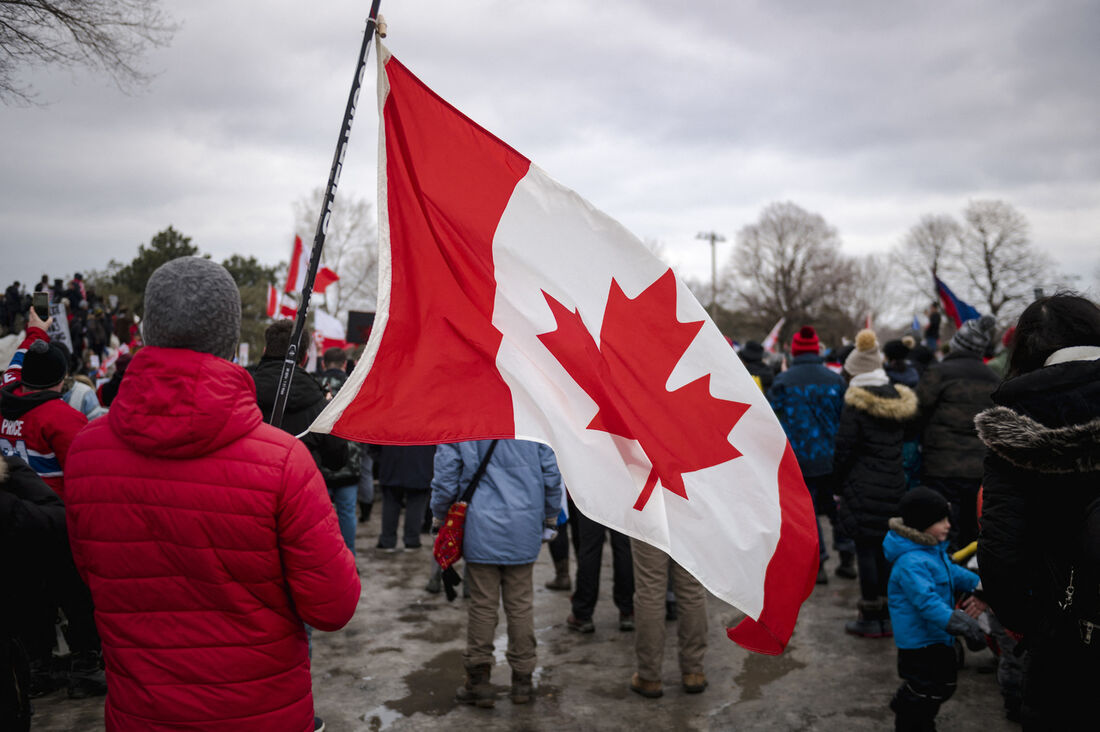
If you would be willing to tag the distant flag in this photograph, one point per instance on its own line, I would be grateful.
(509, 307)
(299, 266)
(330, 329)
(916, 323)
(772, 340)
(956, 309)
(867, 324)
(272, 301)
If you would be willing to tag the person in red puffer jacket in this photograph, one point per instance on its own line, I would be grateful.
(206, 536)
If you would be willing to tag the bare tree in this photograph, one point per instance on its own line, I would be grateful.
(997, 256)
(788, 264)
(351, 250)
(930, 248)
(106, 35)
(871, 291)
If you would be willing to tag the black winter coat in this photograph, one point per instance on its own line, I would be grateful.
(304, 402)
(1041, 498)
(868, 457)
(951, 393)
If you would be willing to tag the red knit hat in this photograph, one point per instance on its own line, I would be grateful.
(805, 341)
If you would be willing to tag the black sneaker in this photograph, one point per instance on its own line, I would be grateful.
(318, 724)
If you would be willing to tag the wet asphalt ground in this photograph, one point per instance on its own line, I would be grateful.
(398, 662)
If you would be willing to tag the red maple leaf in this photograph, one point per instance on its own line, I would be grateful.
(641, 342)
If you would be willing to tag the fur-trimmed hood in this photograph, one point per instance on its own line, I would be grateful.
(878, 404)
(897, 525)
(1027, 443)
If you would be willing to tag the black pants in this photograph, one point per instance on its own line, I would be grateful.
(929, 678)
(415, 499)
(874, 570)
(962, 494)
(589, 558)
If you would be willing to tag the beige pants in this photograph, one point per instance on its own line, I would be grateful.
(489, 585)
(651, 574)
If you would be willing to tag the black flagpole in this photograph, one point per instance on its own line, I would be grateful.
(292, 355)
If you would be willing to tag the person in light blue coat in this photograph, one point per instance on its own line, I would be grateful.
(516, 501)
(922, 589)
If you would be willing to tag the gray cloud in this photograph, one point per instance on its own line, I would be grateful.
(671, 120)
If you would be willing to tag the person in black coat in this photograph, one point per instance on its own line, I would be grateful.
(405, 474)
(305, 400)
(1039, 549)
(752, 355)
(950, 395)
(871, 475)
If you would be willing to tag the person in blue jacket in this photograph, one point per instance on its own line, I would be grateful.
(923, 584)
(517, 499)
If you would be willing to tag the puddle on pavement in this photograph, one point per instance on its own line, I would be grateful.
(380, 718)
(758, 671)
(431, 688)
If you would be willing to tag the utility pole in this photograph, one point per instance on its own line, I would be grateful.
(713, 238)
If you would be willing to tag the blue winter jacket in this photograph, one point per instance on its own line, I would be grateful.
(521, 488)
(808, 399)
(922, 588)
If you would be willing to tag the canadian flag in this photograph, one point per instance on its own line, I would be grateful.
(511, 308)
(772, 340)
(299, 266)
(279, 305)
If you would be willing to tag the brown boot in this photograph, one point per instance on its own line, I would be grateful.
(477, 690)
(648, 689)
(694, 683)
(561, 576)
(522, 688)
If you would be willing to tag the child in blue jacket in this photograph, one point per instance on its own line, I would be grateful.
(923, 584)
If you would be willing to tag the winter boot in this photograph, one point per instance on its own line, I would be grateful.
(561, 576)
(522, 688)
(822, 575)
(477, 689)
(364, 511)
(847, 568)
(86, 677)
(869, 623)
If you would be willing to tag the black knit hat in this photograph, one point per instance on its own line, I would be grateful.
(922, 507)
(44, 365)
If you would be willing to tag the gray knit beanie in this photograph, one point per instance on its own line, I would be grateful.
(974, 336)
(192, 303)
(865, 357)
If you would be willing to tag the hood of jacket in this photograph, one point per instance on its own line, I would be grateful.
(895, 402)
(1047, 420)
(183, 404)
(304, 389)
(903, 539)
(14, 402)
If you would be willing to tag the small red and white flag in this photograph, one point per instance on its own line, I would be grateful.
(772, 339)
(272, 301)
(330, 331)
(299, 267)
(509, 307)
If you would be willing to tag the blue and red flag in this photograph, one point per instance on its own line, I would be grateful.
(958, 310)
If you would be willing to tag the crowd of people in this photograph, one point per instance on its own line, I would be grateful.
(190, 547)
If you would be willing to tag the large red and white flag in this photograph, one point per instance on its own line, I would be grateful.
(509, 307)
(299, 267)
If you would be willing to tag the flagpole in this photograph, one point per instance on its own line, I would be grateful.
(322, 222)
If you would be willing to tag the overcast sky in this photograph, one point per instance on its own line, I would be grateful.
(672, 118)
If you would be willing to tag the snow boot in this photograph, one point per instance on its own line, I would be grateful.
(522, 688)
(561, 576)
(869, 624)
(847, 568)
(477, 690)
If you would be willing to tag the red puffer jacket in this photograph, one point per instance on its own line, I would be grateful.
(206, 538)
